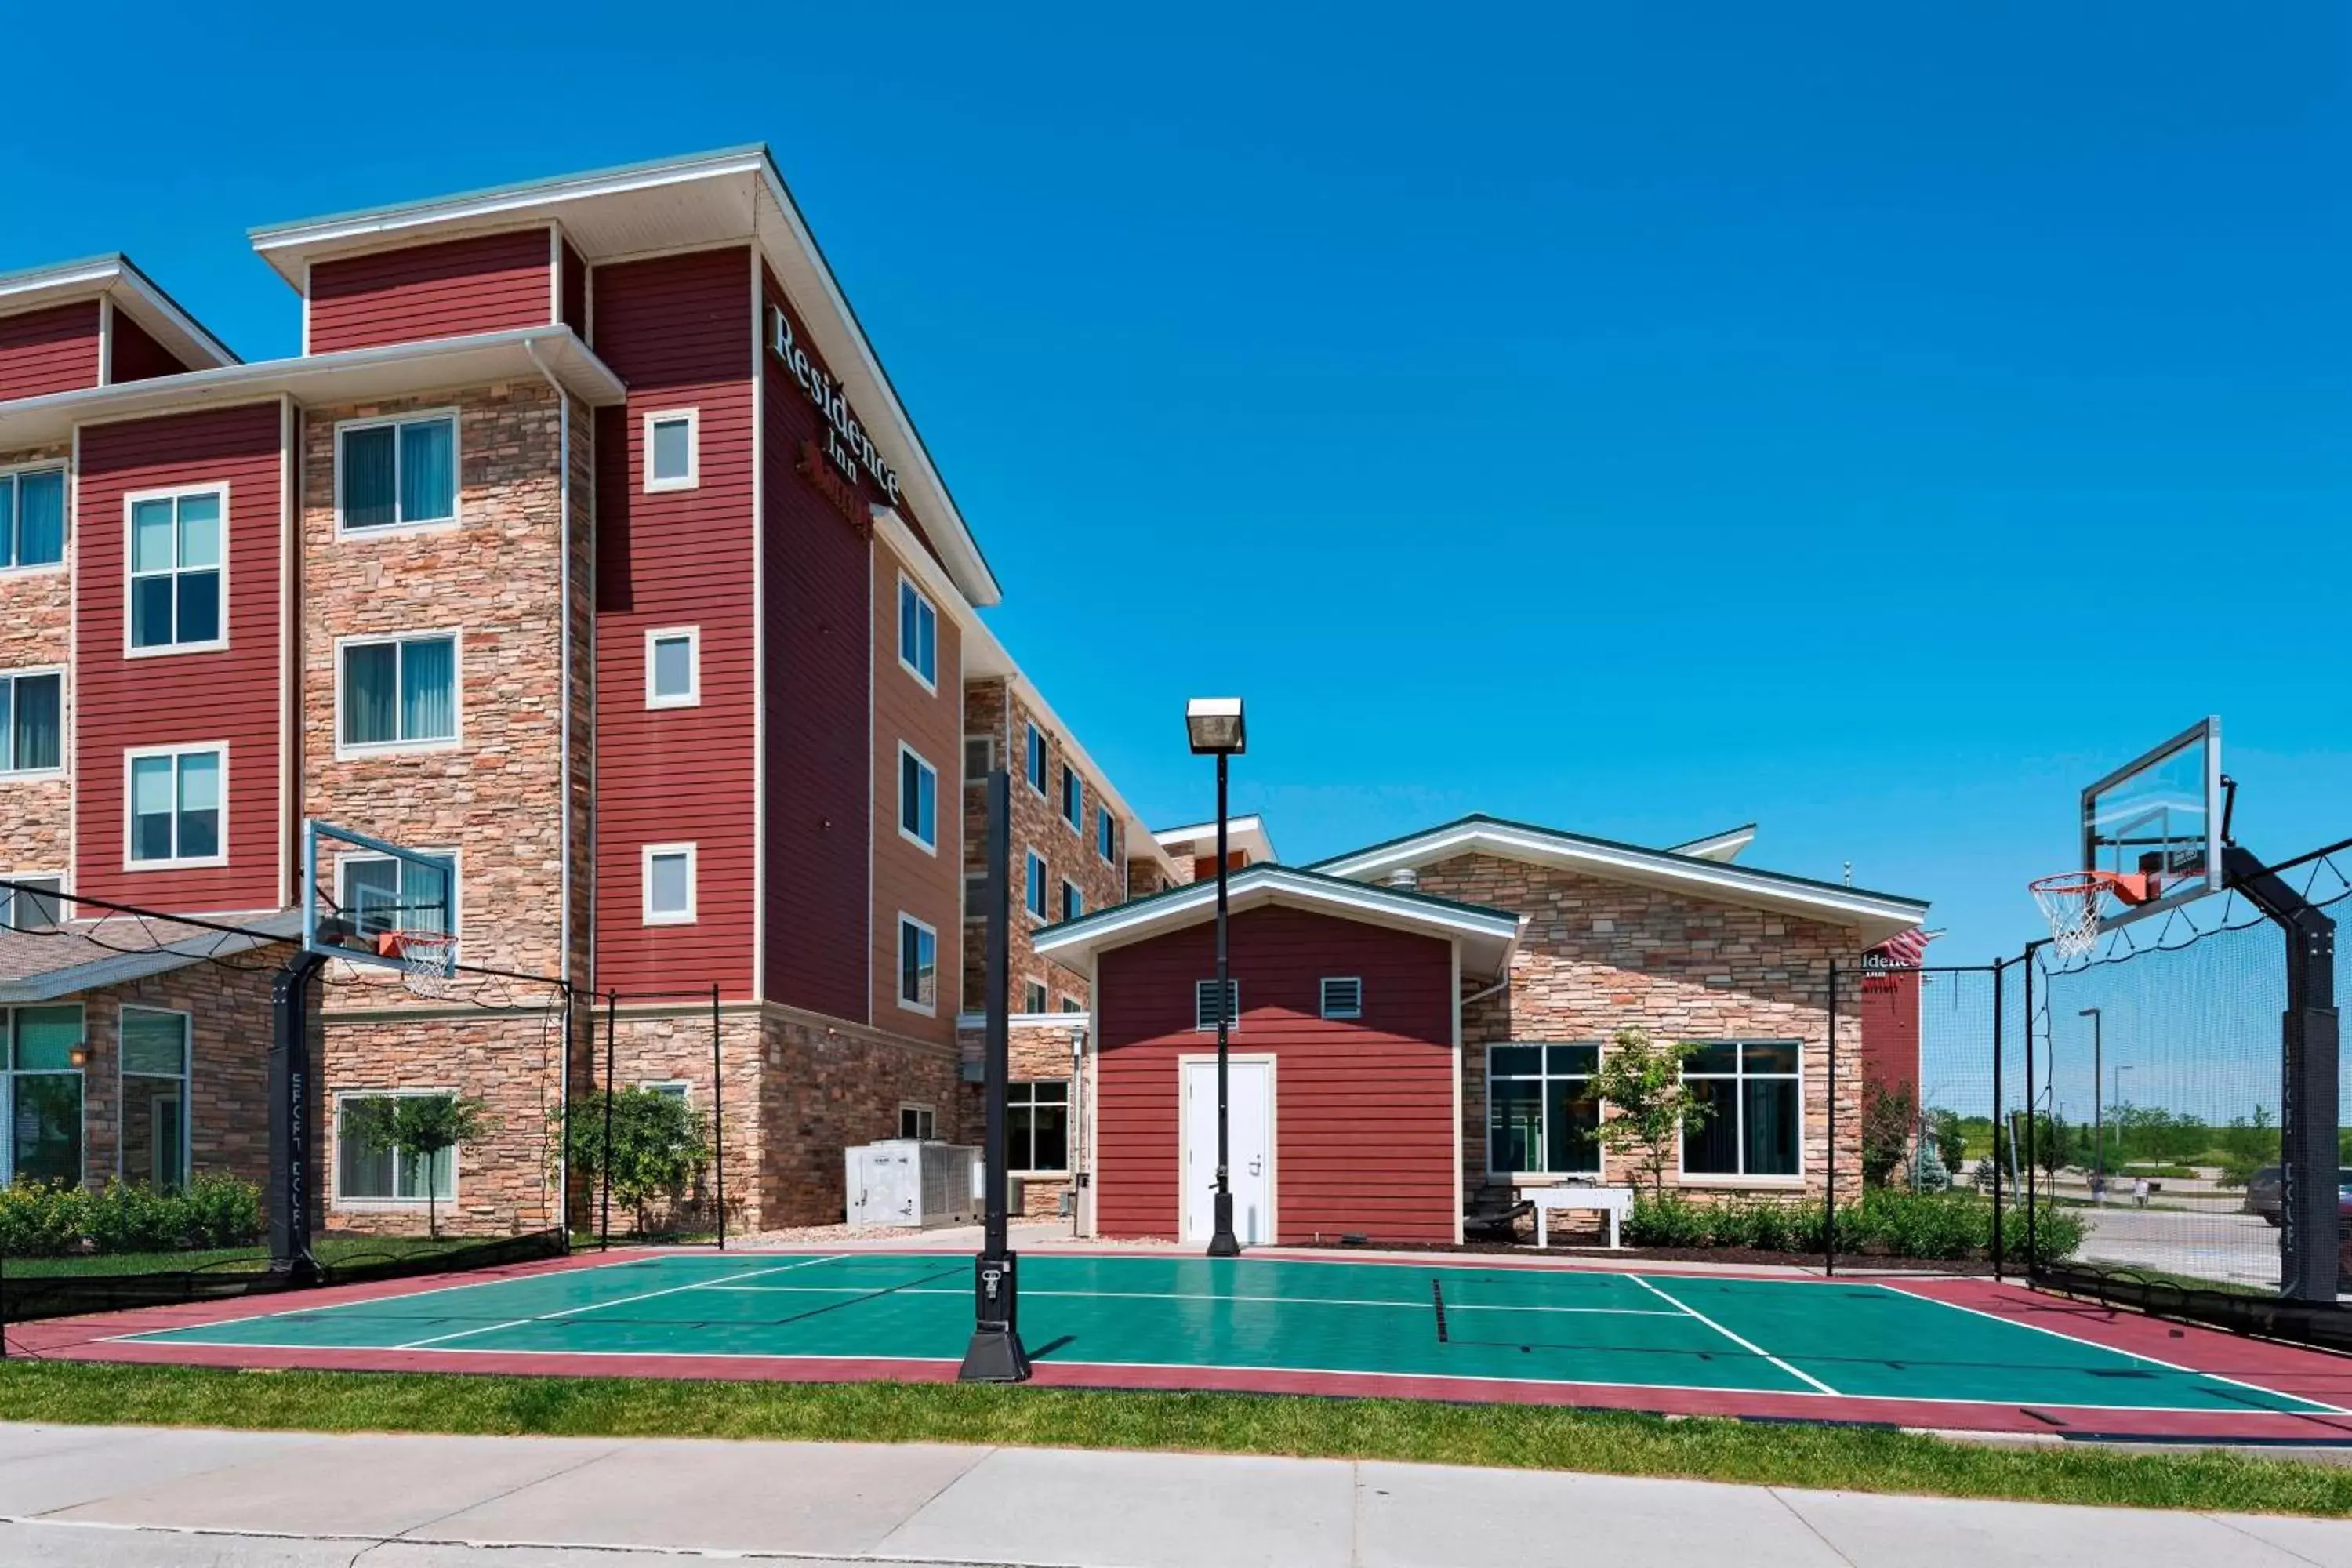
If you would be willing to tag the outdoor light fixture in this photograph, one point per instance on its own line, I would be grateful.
(1215, 726)
(77, 1055)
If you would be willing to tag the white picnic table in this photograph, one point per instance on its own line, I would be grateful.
(1615, 1201)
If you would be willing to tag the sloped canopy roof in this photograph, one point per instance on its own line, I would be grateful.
(82, 956)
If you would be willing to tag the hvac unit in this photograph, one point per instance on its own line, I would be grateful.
(909, 1182)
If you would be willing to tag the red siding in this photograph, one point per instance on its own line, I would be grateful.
(54, 350)
(235, 695)
(819, 654)
(490, 283)
(1363, 1111)
(1890, 1031)
(136, 355)
(679, 331)
(575, 292)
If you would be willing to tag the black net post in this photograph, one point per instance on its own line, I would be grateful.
(2000, 1005)
(2033, 1186)
(1829, 1173)
(292, 1176)
(718, 1117)
(604, 1161)
(996, 1353)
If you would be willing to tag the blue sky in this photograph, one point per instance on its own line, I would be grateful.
(1639, 419)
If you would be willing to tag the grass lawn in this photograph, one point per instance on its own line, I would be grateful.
(1519, 1437)
(328, 1249)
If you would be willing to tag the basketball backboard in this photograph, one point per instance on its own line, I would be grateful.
(2159, 818)
(370, 901)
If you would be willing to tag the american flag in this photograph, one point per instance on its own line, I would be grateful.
(1903, 951)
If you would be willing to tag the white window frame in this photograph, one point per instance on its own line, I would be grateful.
(8, 896)
(174, 494)
(64, 720)
(11, 1020)
(1106, 833)
(369, 856)
(12, 474)
(1323, 997)
(132, 755)
(686, 917)
(928, 845)
(1072, 894)
(456, 470)
(1543, 1077)
(186, 1080)
(684, 1087)
(920, 1108)
(928, 1009)
(339, 1199)
(692, 636)
(924, 606)
(1044, 996)
(1034, 874)
(1067, 1103)
(1033, 746)
(692, 478)
(1737, 1078)
(1074, 799)
(1204, 1001)
(346, 751)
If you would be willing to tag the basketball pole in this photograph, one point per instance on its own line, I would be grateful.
(290, 1133)
(996, 1353)
(2311, 1239)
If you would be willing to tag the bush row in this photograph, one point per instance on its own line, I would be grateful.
(1896, 1223)
(38, 1219)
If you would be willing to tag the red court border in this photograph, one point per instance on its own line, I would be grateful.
(2285, 1369)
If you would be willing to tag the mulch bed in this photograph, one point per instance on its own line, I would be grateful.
(1749, 1255)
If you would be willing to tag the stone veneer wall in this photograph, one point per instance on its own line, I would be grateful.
(1037, 1051)
(825, 1086)
(36, 630)
(1594, 956)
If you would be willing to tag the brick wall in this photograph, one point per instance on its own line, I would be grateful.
(825, 1087)
(1037, 1051)
(36, 630)
(1594, 956)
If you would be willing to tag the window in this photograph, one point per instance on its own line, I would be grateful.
(399, 692)
(1074, 903)
(1541, 1116)
(918, 635)
(366, 1173)
(1074, 799)
(919, 800)
(1037, 1126)
(34, 904)
(918, 965)
(1036, 900)
(669, 884)
(918, 1122)
(1033, 996)
(1072, 1004)
(979, 758)
(1204, 1004)
(1756, 1116)
(676, 1089)
(378, 894)
(176, 571)
(673, 668)
(154, 1109)
(178, 798)
(396, 473)
(41, 1095)
(673, 450)
(1343, 998)
(1037, 758)
(975, 895)
(1106, 834)
(32, 723)
(32, 518)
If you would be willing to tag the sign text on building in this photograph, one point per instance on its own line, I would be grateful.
(830, 401)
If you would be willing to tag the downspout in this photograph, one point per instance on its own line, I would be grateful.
(564, 765)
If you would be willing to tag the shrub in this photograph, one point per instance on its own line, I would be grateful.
(1886, 1220)
(661, 1149)
(1671, 1220)
(41, 1220)
(224, 1212)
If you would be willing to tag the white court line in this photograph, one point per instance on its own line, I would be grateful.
(615, 1301)
(1187, 1296)
(2128, 1355)
(1744, 1344)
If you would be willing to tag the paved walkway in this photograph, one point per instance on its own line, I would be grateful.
(122, 1496)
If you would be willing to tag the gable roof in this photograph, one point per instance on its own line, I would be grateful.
(1874, 916)
(1246, 834)
(1724, 846)
(83, 955)
(117, 280)
(1487, 936)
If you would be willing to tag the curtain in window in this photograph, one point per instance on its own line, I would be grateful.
(1713, 1150)
(154, 1043)
(428, 474)
(370, 889)
(8, 521)
(670, 448)
(33, 731)
(1771, 1126)
(368, 497)
(371, 681)
(362, 1169)
(151, 808)
(41, 521)
(200, 799)
(426, 887)
(669, 890)
(428, 690)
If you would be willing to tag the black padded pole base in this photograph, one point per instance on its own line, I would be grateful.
(1221, 1241)
(994, 1355)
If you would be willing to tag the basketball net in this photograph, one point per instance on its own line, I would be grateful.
(2070, 902)
(428, 961)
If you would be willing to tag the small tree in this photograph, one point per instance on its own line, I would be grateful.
(660, 1146)
(1642, 1080)
(420, 1128)
(1886, 1126)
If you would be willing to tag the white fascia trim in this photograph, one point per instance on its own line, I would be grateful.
(1726, 880)
(1725, 845)
(1245, 832)
(1260, 885)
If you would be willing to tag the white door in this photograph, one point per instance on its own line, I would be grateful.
(1249, 1112)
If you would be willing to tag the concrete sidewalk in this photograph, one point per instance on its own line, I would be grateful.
(123, 1497)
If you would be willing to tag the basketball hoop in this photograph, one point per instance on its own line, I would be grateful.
(428, 959)
(2071, 901)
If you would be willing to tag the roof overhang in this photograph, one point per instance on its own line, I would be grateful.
(94, 967)
(1246, 834)
(1874, 917)
(130, 292)
(1487, 936)
(734, 197)
(355, 375)
(1725, 845)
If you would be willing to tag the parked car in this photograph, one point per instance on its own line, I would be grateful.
(2264, 1194)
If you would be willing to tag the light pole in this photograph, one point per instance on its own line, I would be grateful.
(2098, 1142)
(2121, 1068)
(1215, 727)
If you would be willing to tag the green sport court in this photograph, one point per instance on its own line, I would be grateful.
(1940, 1353)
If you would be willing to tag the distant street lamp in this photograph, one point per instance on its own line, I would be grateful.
(1215, 728)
